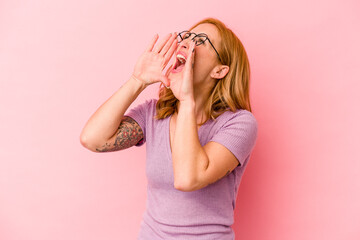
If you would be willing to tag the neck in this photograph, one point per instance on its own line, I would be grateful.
(200, 99)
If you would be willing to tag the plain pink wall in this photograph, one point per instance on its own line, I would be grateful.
(60, 60)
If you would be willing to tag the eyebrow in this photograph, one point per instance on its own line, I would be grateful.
(200, 34)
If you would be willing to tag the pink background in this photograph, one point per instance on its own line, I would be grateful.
(60, 60)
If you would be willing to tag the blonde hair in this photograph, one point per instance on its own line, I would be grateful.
(231, 92)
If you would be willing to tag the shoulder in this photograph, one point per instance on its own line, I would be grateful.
(150, 103)
(141, 112)
(240, 124)
(151, 106)
(147, 106)
(240, 117)
(237, 131)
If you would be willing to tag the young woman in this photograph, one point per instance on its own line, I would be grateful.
(199, 133)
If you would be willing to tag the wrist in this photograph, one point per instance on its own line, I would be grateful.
(140, 84)
(188, 104)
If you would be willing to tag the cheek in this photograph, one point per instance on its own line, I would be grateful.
(203, 57)
(203, 65)
(200, 61)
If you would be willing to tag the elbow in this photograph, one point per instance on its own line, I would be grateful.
(182, 187)
(86, 144)
(185, 186)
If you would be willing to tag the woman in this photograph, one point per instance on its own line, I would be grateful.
(199, 134)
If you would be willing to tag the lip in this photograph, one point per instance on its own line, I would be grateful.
(181, 53)
(176, 62)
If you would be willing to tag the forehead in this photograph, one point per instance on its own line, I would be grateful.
(210, 30)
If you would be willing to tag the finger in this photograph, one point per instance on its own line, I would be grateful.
(165, 80)
(169, 70)
(152, 43)
(171, 51)
(162, 43)
(190, 60)
(168, 44)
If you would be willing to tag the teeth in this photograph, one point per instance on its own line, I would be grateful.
(181, 58)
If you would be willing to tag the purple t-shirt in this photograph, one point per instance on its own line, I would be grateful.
(204, 214)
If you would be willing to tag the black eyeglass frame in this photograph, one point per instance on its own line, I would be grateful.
(198, 43)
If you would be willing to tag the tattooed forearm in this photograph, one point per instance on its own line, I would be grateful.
(128, 134)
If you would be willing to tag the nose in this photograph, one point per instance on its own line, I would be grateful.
(185, 44)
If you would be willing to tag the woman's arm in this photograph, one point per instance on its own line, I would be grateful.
(103, 131)
(195, 166)
(104, 126)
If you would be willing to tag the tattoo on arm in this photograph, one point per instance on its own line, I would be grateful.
(128, 134)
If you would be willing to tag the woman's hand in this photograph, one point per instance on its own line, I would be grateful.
(183, 89)
(152, 62)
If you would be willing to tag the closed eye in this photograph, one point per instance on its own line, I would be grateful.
(200, 41)
(187, 35)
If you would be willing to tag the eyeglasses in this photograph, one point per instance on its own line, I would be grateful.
(198, 38)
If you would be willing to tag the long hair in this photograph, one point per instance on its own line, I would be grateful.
(229, 93)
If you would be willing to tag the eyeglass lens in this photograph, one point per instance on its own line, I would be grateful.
(199, 39)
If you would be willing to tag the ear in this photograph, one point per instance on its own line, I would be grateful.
(219, 71)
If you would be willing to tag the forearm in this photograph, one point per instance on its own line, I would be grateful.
(103, 124)
(189, 158)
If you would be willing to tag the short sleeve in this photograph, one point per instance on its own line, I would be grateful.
(238, 134)
(139, 114)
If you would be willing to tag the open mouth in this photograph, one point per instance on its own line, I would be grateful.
(179, 63)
